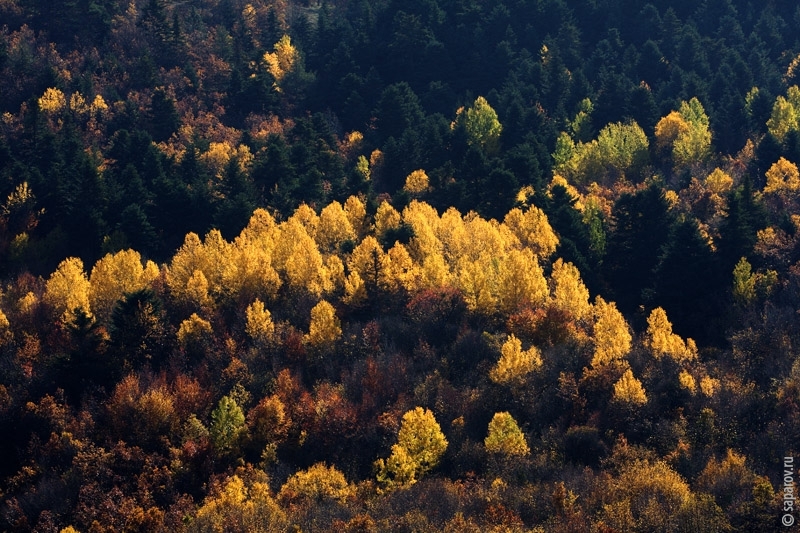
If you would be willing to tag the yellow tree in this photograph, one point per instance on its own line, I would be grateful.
(325, 328)
(569, 294)
(515, 363)
(782, 176)
(194, 331)
(259, 325)
(612, 337)
(402, 270)
(416, 183)
(477, 280)
(334, 227)
(315, 484)
(67, 289)
(719, 182)
(239, 507)
(298, 258)
(386, 218)
(252, 254)
(660, 340)
(420, 446)
(505, 437)
(357, 215)
(113, 276)
(785, 115)
(533, 230)
(520, 281)
(371, 263)
(282, 61)
(629, 390)
(52, 101)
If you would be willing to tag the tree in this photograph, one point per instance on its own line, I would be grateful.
(629, 390)
(115, 275)
(514, 363)
(481, 125)
(569, 294)
(67, 289)
(505, 437)
(325, 328)
(259, 326)
(612, 337)
(228, 428)
(334, 227)
(685, 134)
(316, 484)
(417, 183)
(282, 61)
(744, 283)
(782, 176)
(533, 230)
(239, 506)
(420, 446)
(661, 341)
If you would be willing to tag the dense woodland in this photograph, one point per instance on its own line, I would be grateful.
(418, 266)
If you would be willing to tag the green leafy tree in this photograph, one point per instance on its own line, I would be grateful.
(228, 427)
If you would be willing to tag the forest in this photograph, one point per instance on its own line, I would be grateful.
(521, 266)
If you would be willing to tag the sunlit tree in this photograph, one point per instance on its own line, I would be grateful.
(117, 274)
(420, 446)
(259, 325)
(316, 483)
(612, 337)
(629, 390)
(569, 294)
(505, 437)
(239, 507)
(325, 328)
(515, 363)
(533, 230)
(67, 289)
(662, 342)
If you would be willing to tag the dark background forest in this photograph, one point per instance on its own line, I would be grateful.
(428, 265)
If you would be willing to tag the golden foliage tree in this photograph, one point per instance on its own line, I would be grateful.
(386, 218)
(416, 183)
(194, 332)
(505, 437)
(533, 230)
(782, 176)
(515, 363)
(282, 60)
(68, 289)
(785, 115)
(117, 274)
(520, 281)
(628, 390)
(325, 328)
(52, 101)
(356, 213)
(660, 340)
(420, 446)
(239, 507)
(334, 227)
(612, 337)
(569, 294)
(259, 325)
(316, 483)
